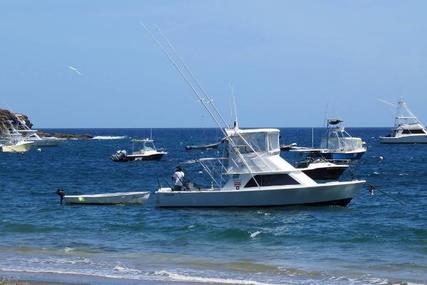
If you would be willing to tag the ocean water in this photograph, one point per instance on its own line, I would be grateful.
(377, 239)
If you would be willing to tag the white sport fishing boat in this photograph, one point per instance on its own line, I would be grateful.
(337, 144)
(13, 142)
(32, 135)
(407, 128)
(119, 198)
(253, 172)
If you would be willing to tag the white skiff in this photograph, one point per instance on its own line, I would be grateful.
(124, 198)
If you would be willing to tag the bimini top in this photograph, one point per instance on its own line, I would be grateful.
(334, 121)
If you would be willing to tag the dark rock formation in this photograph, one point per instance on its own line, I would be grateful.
(17, 120)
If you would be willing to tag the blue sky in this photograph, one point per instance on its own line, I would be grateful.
(290, 62)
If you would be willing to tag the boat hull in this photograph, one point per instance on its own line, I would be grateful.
(123, 198)
(17, 148)
(157, 156)
(414, 139)
(334, 193)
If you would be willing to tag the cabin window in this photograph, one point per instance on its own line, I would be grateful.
(418, 131)
(255, 141)
(271, 180)
(273, 142)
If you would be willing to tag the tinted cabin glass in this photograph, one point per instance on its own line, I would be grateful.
(271, 180)
(419, 131)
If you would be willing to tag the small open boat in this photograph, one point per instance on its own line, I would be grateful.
(118, 198)
(148, 152)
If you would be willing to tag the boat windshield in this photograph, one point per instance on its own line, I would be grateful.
(149, 146)
(257, 141)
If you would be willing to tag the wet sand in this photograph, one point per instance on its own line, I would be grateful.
(29, 282)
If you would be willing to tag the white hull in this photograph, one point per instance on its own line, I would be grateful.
(19, 147)
(404, 139)
(108, 198)
(334, 193)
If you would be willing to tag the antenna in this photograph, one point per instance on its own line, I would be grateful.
(236, 122)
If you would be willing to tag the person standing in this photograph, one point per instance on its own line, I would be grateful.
(178, 178)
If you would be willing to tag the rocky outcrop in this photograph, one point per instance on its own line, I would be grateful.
(20, 121)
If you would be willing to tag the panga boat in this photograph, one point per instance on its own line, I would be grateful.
(147, 152)
(407, 128)
(125, 198)
(254, 174)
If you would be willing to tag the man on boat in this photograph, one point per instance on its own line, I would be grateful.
(178, 178)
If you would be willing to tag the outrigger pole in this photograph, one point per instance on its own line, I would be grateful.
(195, 86)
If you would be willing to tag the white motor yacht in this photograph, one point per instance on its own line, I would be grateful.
(254, 174)
(407, 128)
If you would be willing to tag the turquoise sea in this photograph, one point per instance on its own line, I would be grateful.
(377, 239)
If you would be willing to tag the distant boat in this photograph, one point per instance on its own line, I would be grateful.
(407, 128)
(147, 152)
(32, 135)
(12, 141)
(124, 198)
(337, 144)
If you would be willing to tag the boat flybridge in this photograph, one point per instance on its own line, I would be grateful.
(407, 128)
(254, 174)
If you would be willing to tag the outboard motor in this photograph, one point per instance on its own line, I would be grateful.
(120, 155)
(61, 193)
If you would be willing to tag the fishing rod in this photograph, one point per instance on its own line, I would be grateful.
(195, 86)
